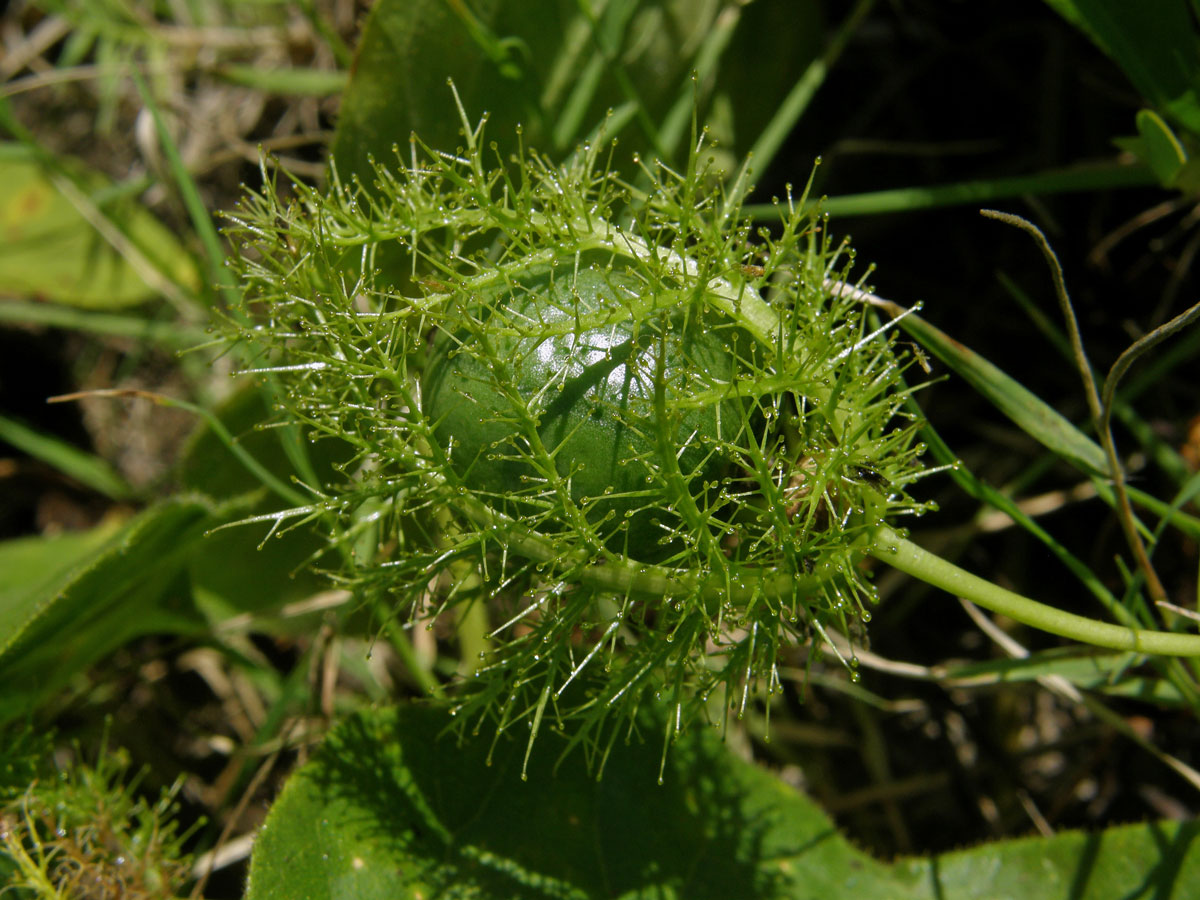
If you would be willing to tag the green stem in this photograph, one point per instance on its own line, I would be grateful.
(888, 546)
(908, 200)
(625, 577)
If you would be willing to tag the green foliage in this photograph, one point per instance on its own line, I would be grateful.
(1160, 147)
(1158, 48)
(760, 455)
(622, 455)
(68, 239)
(84, 830)
(68, 601)
(393, 806)
(555, 68)
(85, 467)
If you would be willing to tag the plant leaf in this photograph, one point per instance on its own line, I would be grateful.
(554, 68)
(1114, 674)
(1091, 177)
(1158, 49)
(229, 572)
(1162, 150)
(289, 82)
(1150, 860)
(408, 50)
(67, 601)
(1028, 411)
(84, 467)
(51, 251)
(391, 806)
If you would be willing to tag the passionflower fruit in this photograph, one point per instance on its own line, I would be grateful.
(641, 442)
(573, 395)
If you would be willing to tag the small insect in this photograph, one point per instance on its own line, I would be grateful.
(753, 271)
(869, 476)
(921, 357)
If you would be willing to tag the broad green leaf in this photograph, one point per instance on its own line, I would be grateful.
(51, 251)
(408, 51)
(1157, 45)
(66, 602)
(393, 806)
(207, 466)
(210, 466)
(1159, 860)
(235, 571)
(1187, 179)
(32, 568)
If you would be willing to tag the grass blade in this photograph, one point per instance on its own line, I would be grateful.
(1028, 411)
(84, 467)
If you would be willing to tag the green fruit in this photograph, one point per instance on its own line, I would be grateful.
(558, 375)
